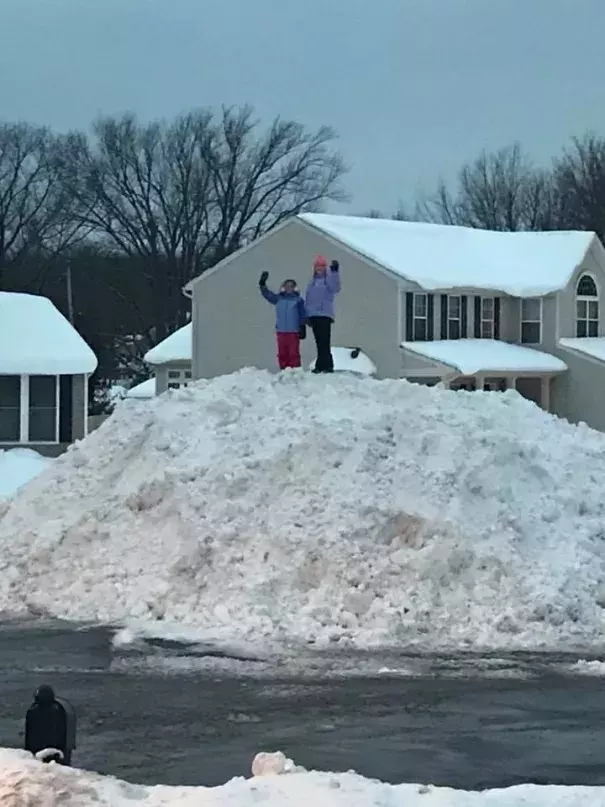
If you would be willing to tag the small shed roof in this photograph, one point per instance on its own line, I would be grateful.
(144, 390)
(36, 339)
(176, 347)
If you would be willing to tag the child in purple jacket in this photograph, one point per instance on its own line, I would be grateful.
(319, 303)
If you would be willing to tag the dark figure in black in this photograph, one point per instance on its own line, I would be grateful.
(50, 723)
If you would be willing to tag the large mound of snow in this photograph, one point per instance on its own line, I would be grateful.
(303, 508)
(18, 466)
(276, 782)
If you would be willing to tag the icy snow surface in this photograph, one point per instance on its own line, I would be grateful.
(18, 466)
(176, 347)
(277, 782)
(345, 360)
(471, 356)
(440, 256)
(265, 508)
(36, 339)
(593, 346)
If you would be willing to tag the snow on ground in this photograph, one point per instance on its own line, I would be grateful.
(350, 360)
(277, 783)
(263, 508)
(18, 466)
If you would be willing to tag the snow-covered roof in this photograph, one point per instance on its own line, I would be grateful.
(347, 359)
(471, 356)
(36, 339)
(593, 346)
(438, 256)
(146, 389)
(176, 347)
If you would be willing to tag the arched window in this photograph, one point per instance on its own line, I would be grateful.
(587, 307)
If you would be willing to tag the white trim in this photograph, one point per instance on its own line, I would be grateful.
(86, 376)
(58, 408)
(425, 318)
(584, 298)
(491, 320)
(400, 333)
(24, 410)
(530, 321)
(449, 318)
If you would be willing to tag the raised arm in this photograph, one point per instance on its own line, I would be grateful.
(270, 296)
(333, 277)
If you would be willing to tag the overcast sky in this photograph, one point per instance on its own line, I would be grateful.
(414, 87)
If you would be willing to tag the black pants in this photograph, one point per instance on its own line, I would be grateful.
(322, 331)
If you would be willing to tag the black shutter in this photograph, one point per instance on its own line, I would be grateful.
(409, 316)
(496, 318)
(430, 318)
(463, 316)
(66, 408)
(444, 316)
(477, 317)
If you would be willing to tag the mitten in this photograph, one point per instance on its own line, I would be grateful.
(334, 266)
(302, 331)
(263, 279)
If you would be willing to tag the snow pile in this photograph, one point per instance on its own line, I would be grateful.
(258, 507)
(28, 783)
(18, 466)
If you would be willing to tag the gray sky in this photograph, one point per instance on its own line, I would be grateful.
(414, 87)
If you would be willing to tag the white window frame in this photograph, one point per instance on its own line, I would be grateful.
(178, 377)
(491, 321)
(525, 321)
(24, 414)
(451, 319)
(425, 318)
(587, 300)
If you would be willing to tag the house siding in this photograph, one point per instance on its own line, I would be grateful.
(579, 393)
(593, 264)
(79, 407)
(233, 327)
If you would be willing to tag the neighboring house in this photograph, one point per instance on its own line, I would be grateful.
(431, 303)
(44, 369)
(171, 360)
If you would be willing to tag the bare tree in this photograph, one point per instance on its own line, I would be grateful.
(182, 195)
(498, 191)
(580, 182)
(35, 211)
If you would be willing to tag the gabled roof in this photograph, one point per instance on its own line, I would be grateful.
(472, 356)
(439, 256)
(176, 347)
(592, 346)
(36, 339)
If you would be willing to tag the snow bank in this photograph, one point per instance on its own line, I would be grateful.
(18, 466)
(28, 783)
(258, 507)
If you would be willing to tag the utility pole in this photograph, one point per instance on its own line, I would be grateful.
(70, 296)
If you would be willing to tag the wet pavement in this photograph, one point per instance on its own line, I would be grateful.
(151, 723)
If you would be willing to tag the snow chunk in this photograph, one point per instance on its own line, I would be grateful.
(471, 356)
(255, 509)
(176, 347)
(272, 764)
(18, 466)
(36, 339)
(440, 256)
(350, 360)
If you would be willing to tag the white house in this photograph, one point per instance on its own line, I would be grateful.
(44, 369)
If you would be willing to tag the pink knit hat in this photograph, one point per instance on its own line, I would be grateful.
(319, 262)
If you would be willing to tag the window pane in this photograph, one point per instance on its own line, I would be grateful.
(586, 287)
(453, 307)
(593, 309)
(173, 386)
(593, 327)
(530, 333)
(10, 390)
(43, 425)
(187, 374)
(487, 307)
(42, 390)
(420, 305)
(581, 328)
(10, 425)
(420, 330)
(581, 309)
(487, 329)
(174, 373)
(530, 310)
(453, 329)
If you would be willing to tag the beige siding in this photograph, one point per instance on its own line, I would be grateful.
(593, 264)
(79, 417)
(233, 327)
(579, 393)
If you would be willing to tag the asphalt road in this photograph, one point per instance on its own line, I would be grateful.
(204, 727)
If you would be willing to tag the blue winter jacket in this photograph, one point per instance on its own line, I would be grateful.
(289, 310)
